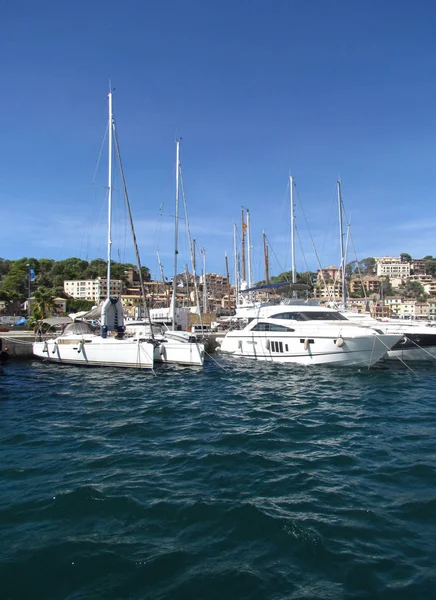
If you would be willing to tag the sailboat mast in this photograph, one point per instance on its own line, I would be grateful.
(194, 251)
(228, 283)
(162, 275)
(291, 192)
(249, 275)
(265, 258)
(176, 235)
(109, 195)
(341, 238)
(205, 302)
(236, 267)
(243, 244)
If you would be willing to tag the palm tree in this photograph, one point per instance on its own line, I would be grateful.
(43, 305)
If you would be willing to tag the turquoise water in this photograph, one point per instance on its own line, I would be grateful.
(257, 481)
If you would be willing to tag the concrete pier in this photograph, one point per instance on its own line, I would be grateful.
(18, 343)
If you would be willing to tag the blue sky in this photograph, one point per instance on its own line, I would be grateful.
(257, 90)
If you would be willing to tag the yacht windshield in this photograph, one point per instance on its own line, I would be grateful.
(78, 328)
(318, 315)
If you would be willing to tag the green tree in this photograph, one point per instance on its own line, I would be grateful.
(75, 305)
(405, 257)
(5, 266)
(386, 288)
(413, 289)
(430, 267)
(307, 277)
(43, 304)
(15, 282)
(350, 268)
(367, 266)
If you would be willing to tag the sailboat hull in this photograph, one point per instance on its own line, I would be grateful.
(97, 351)
(189, 353)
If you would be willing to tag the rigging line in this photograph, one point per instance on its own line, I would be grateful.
(100, 153)
(225, 369)
(401, 360)
(275, 255)
(358, 268)
(420, 347)
(188, 229)
(314, 248)
(138, 259)
(302, 250)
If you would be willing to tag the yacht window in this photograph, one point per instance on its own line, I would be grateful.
(310, 316)
(270, 327)
(276, 347)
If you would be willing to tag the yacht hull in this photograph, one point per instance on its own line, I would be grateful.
(97, 351)
(352, 351)
(426, 353)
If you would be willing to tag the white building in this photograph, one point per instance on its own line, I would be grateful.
(392, 267)
(92, 289)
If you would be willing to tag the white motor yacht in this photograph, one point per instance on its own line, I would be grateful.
(307, 335)
(418, 340)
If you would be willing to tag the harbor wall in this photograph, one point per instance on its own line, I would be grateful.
(18, 343)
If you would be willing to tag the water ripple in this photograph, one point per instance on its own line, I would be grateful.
(239, 481)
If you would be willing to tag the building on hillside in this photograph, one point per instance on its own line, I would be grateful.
(393, 302)
(417, 266)
(421, 310)
(329, 274)
(431, 309)
(370, 283)
(388, 266)
(330, 291)
(407, 309)
(94, 290)
(60, 305)
(380, 311)
(217, 285)
(397, 282)
(421, 278)
(359, 305)
(430, 287)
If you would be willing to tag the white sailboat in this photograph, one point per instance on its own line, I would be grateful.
(78, 344)
(176, 346)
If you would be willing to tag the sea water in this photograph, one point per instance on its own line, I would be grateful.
(242, 480)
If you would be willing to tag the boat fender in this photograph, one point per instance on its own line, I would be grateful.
(45, 347)
(79, 350)
(240, 344)
(162, 351)
(268, 344)
(306, 343)
(340, 342)
(54, 348)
